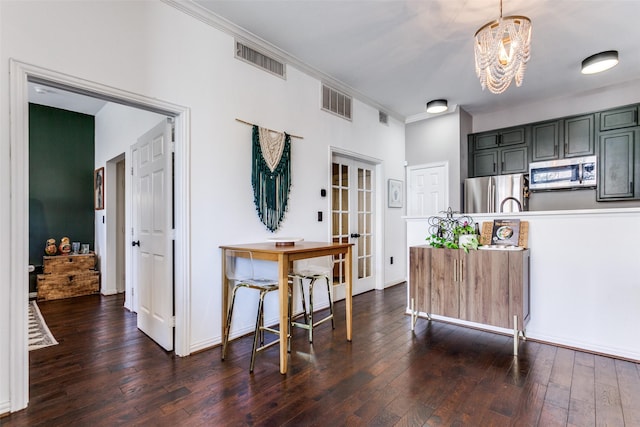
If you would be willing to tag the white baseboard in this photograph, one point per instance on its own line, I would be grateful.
(5, 407)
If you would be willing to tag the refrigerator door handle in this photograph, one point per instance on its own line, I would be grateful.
(492, 197)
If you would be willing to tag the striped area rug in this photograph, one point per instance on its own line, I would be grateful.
(39, 334)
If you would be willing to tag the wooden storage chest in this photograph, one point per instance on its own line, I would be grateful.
(68, 276)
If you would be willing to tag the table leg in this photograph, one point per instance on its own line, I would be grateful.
(225, 292)
(348, 289)
(283, 287)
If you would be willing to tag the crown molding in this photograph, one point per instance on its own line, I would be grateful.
(204, 15)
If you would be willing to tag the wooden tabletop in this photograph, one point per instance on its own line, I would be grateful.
(271, 247)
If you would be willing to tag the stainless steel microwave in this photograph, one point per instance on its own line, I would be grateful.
(578, 172)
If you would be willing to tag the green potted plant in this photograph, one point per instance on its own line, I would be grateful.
(461, 236)
(466, 237)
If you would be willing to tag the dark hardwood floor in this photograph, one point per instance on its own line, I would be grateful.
(105, 372)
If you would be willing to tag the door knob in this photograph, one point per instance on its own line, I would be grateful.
(355, 235)
(135, 243)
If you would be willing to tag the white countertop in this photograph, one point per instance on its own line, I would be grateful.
(527, 214)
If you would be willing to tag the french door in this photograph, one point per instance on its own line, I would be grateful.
(352, 220)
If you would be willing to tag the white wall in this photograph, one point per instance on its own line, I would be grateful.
(559, 107)
(152, 49)
(438, 139)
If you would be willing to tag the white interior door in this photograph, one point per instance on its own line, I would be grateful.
(428, 189)
(152, 234)
(352, 220)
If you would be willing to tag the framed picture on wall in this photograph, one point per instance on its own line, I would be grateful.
(395, 194)
(98, 189)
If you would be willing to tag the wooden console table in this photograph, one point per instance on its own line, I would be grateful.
(489, 287)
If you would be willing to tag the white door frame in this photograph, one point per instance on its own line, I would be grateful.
(20, 74)
(378, 206)
(109, 279)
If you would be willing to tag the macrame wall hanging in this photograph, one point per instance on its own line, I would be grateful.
(271, 175)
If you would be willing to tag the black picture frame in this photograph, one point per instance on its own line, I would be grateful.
(98, 189)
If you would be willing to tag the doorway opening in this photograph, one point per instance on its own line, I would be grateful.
(21, 74)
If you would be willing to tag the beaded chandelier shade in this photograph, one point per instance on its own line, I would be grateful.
(502, 49)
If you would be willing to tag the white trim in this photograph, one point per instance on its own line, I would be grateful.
(351, 155)
(108, 279)
(182, 255)
(18, 312)
(379, 211)
(19, 136)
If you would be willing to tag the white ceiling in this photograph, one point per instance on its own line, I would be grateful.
(399, 54)
(65, 100)
(403, 53)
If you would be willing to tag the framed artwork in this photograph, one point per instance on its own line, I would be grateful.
(395, 193)
(98, 189)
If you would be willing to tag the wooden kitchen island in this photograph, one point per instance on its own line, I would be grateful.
(488, 287)
(585, 286)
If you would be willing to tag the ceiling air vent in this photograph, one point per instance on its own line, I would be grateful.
(383, 117)
(336, 102)
(252, 56)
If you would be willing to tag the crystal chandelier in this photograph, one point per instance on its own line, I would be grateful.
(502, 49)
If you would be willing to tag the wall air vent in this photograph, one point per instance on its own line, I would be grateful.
(336, 102)
(253, 57)
(383, 117)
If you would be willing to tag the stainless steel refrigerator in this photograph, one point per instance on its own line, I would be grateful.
(500, 193)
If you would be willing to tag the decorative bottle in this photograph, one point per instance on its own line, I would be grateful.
(50, 247)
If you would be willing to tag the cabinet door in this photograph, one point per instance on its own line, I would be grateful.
(514, 160)
(579, 136)
(619, 118)
(545, 138)
(512, 136)
(420, 277)
(485, 163)
(484, 290)
(445, 288)
(482, 141)
(616, 164)
(519, 289)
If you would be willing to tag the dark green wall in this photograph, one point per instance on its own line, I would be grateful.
(61, 164)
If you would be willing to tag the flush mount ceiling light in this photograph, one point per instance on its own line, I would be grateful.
(502, 50)
(437, 106)
(600, 62)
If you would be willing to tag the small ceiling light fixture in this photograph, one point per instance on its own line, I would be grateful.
(502, 50)
(600, 62)
(437, 106)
